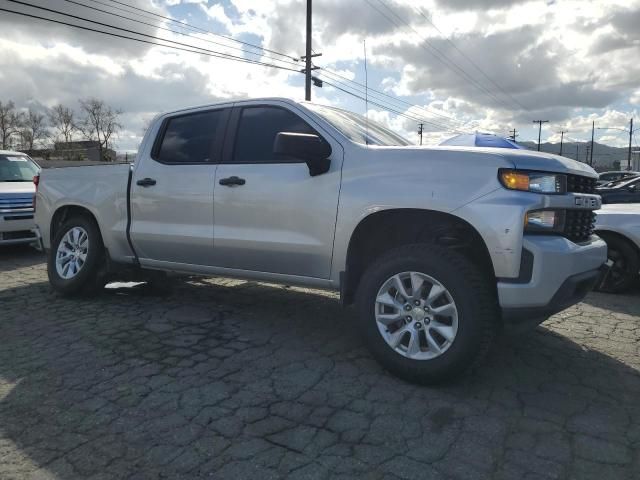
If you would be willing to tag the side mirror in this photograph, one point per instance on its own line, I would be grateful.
(302, 146)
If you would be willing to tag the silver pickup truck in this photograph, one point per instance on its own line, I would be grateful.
(438, 248)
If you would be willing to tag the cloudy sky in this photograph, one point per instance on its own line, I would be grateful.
(458, 65)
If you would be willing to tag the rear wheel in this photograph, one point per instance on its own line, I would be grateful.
(426, 312)
(76, 257)
(622, 267)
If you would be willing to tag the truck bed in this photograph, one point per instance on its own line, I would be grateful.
(101, 189)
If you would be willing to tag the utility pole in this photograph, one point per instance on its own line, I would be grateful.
(630, 136)
(307, 57)
(586, 158)
(593, 129)
(577, 152)
(513, 135)
(540, 122)
(562, 132)
(420, 129)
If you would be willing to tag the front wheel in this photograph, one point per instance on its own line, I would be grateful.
(76, 257)
(427, 313)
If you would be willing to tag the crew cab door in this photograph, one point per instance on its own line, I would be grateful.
(172, 190)
(270, 214)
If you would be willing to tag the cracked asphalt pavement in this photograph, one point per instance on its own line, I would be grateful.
(229, 379)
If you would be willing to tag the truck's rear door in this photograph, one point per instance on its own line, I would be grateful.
(172, 190)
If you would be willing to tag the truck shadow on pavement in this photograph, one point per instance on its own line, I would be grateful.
(23, 255)
(235, 379)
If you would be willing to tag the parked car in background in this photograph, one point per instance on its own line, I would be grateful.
(606, 177)
(480, 140)
(619, 226)
(17, 190)
(625, 190)
(436, 247)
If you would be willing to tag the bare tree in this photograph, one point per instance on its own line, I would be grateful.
(33, 129)
(100, 123)
(62, 120)
(9, 123)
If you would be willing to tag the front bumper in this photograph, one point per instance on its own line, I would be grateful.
(562, 274)
(17, 232)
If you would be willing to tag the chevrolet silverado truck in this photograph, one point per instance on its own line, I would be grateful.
(17, 189)
(437, 248)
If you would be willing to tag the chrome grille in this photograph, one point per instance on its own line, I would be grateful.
(580, 184)
(19, 204)
(579, 225)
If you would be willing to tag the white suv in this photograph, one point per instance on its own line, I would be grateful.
(16, 198)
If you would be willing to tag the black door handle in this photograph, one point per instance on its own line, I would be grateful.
(146, 182)
(231, 181)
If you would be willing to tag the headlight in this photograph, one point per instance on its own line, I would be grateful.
(537, 182)
(541, 221)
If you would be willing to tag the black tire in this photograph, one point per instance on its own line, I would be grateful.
(91, 277)
(623, 265)
(471, 291)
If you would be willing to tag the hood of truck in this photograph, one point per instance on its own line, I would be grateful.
(520, 159)
(17, 187)
(548, 162)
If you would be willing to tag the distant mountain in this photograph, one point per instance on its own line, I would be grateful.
(604, 156)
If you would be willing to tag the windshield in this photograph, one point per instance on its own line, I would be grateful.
(356, 127)
(17, 168)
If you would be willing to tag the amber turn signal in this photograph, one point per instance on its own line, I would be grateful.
(515, 180)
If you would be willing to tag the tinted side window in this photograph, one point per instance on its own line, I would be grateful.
(189, 138)
(257, 130)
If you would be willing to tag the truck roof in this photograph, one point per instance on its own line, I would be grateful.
(233, 100)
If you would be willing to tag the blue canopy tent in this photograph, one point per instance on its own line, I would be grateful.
(480, 140)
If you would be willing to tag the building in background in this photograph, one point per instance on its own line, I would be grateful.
(82, 150)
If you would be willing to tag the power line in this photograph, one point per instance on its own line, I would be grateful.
(392, 110)
(191, 49)
(371, 92)
(76, 17)
(385, 104)
(436, 53)
(210, 53)
(422, 14)
(192, 27)
(383, 94)
(259, 54)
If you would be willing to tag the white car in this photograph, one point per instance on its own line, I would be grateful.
(17, 189)
(619, 226)
(608, 177)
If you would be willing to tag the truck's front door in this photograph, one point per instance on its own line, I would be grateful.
(270, 214)
(172, 190)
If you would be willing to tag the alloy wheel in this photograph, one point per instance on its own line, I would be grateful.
(416, 315)
(71, 254)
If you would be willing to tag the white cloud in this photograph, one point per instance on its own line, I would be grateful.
(566, 61)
